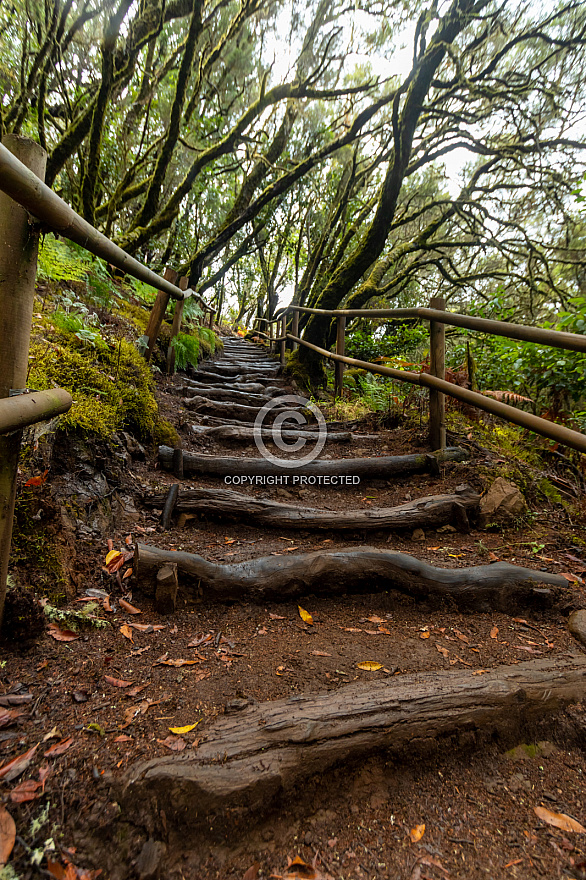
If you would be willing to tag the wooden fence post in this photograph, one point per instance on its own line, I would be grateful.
(18, 269)
(158, 313)
(283, 334)
(271, 325)
(295, 330)
(211, 320)
(437, 367)
(340, 349)
(176, 326)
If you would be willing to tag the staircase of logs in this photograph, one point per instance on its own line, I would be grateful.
(245, 763)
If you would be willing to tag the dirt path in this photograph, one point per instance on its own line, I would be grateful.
(116, 692)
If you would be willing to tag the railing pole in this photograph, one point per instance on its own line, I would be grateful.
(295, 330)
(271, 338)
(340, 349)
(18, 269)
(437, 367)
(283, 325)
(158, 313)
(176, 327)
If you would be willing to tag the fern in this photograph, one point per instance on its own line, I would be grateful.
(186, 350)
(208, 336)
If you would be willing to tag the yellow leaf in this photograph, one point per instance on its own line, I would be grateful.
(369, 665)
(185, 729)
(424, 635)
(417, 833)
(305, 616)
(559, 820)
(126, 632)
(111, 555)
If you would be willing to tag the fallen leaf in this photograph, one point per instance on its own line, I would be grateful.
(572, 578)
(17, 765)
(175, 743)
(559, 820)
(280, 670)
(290, 549)
(147, 627)
(127, 574)
(320, 653)
(112, 555)
(514, 862)
(461, 636)
(136, 690)
(443, 651)
(7, 835)
(200, 640)
(424, 635)
(53, 734)
(176, 663)
(9, 716)
(37, 481)
(186, 729)
(130, 609)
(276, 616)
(417, 833)
(350, 629)
(300, 870)
(494, 632)
(375, 619)
(61, 635)
(479, 671)
(252, 872)
(126, 632)
(26, 791)
(59, 748)
(305, 616)
(117, 682)
(369, 665)
(123, 738)
(42, 665)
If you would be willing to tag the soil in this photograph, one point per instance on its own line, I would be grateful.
(110, 691)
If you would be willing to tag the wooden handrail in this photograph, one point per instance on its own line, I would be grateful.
(24, 187)
(544, 427)
(28, 409)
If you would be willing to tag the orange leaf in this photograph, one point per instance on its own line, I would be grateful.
(417, 833)
(117, 682)
(59, 748)
(7, 835)
(559, 820)
(424, 635)
(494, 632)
(37, 481)
(62, 635)
(126, 632)
(443, 651)
(18, 765)
(252, 872)
(130, 609)
(25, 791)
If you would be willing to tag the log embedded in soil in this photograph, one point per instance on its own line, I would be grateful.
(220, 393)
(232, 381)
(229, 410)
(497, 587)
(233, 434)
(223, 395)
(344, 469)
(428, 512)
(248, 760)
(231, 370)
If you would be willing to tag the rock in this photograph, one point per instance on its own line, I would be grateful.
(445, 529)
(284, 493)
(418, 536)
(148, 863)
(577, 625)
(135, 448)
(503, 501)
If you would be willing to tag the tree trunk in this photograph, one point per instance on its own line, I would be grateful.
(497, 587)
(316, 471)
(248, 760)
(429, 512)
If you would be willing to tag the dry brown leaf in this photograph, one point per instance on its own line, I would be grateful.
(417, 833)
(18, 765)
(375, 619)
(130, 609)
(461, 636)
(350, 629)
(200, 640)
(252, 872)
(494, 632)
(26, 791)
(559, 820)
(424, 635)
(136, 690)
(305, 616)
(61, 635)
(7, 835)
(59, 748)
(147, 627)
(320, 653)
(175, 743)
(123, 738)
(127, 632)
(276, 616)
(369, 665)
(443, 651)
(176, 663)
(9, 716)
(117, 682)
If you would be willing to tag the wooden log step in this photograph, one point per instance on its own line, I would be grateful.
(231, 410)
(233, 381)
(233, 434)
(222, 393)
(235, 423)
(428, 512)
(235, 369)
(248, 760)
(497, 587)
(382, 467)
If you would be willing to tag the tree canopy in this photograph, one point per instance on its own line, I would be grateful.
(271, 150)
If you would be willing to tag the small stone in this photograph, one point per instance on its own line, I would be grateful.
(577, 625)
(148, 863)
(443, 530)
(284, 493)
(503, 501)
(355, 809)
(418, 536)
(308, 839)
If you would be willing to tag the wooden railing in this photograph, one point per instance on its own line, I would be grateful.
(435, 380)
